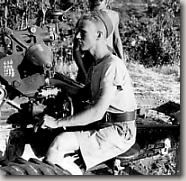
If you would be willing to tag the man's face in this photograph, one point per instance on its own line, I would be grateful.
(86, 35)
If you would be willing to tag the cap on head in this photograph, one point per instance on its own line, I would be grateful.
(98, 17)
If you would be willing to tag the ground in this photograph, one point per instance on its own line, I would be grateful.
(153, 84)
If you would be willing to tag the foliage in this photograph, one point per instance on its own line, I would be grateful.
(13, 13)
(152, 36)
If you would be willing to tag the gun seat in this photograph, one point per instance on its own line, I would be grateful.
(131, 153)
(124, 158)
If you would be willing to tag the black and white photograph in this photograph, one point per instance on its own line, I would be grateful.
(90, 88)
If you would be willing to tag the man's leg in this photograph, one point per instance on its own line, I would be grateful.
(63, 144)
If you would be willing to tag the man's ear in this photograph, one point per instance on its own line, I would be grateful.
(99, 34)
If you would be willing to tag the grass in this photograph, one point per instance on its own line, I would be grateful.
(153, 85)
(169, 70)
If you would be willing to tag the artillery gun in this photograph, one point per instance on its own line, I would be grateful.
(28, 68)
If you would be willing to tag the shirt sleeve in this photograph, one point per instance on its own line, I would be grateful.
(114, 73)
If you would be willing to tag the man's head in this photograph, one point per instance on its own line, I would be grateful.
(92, 28)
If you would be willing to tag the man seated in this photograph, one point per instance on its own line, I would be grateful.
(113, 40)
(113, 105)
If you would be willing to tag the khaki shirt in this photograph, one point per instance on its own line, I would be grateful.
(113, 69)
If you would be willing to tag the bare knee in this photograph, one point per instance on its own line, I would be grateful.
(62, 144)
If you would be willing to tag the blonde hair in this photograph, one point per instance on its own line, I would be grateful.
(101, 21)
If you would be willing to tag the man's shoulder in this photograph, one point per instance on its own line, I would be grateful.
(113, 59)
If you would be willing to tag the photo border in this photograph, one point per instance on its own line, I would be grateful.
(134, 178)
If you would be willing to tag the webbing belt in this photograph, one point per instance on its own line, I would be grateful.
(120, 117)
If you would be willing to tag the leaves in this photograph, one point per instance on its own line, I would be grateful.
(154, 38)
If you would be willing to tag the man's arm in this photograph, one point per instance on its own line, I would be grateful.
(78, 59)
(96, 112)
(93, 114)
(117, 43)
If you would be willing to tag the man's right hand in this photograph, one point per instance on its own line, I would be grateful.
(49, 122)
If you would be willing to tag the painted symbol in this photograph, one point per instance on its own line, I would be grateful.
(8, 68)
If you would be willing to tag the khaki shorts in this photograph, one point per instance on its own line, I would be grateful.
(98, 146)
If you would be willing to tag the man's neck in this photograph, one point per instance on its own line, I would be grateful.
(100, 52)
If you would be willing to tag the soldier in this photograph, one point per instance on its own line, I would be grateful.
(112, 111)
(113, 40)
